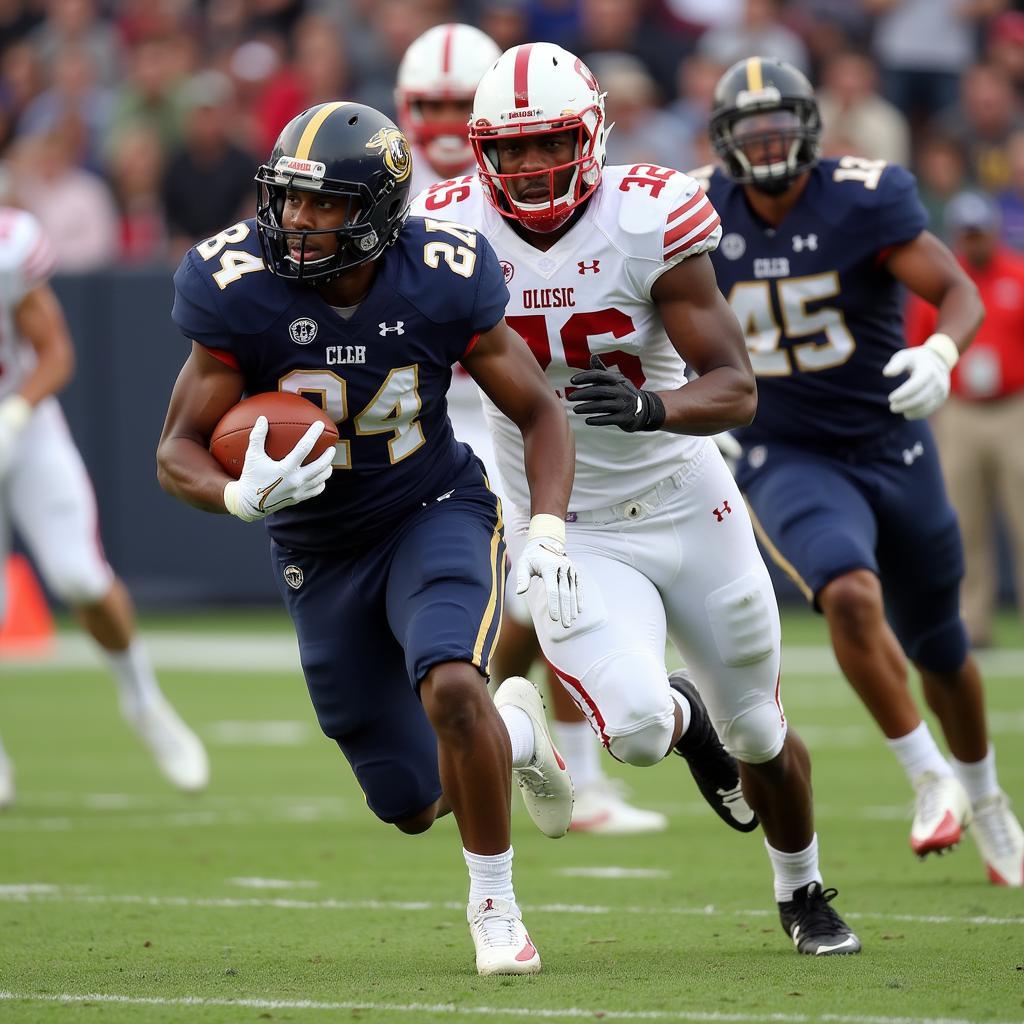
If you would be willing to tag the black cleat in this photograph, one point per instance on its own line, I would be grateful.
(713, 768)
(815, 928)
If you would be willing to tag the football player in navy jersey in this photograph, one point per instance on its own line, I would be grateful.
(388, 549)
(839, 466)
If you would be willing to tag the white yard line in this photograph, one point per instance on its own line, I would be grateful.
(38, 893)
(452, 1009)
(252, 652)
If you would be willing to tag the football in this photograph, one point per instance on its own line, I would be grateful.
(289, 416)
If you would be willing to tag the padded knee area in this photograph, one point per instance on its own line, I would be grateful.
(78, 584)
(742, 618)
(648, 744)
(756, 735)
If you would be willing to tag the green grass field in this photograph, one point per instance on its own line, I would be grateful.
(277, 896)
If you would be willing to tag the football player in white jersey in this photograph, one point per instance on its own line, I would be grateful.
(46, 496)
(437, 79)
(612, 287)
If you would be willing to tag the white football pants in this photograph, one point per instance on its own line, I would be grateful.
(48, 498)
(678, 561)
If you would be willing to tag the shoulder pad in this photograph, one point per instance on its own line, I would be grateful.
(26, 256)
(449, 199)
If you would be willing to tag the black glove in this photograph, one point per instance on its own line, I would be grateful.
(616, 401)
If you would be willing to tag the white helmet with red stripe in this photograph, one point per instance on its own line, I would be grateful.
(445, 63)
(539, 88)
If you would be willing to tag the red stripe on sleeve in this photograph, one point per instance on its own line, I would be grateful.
(520, 79)
(225, 357)
(697, 216)
(471, 345)
(706, 233)
(688, 205)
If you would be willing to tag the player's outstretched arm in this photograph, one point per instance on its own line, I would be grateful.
(509, 375)
(931, 271)
(40, 321)
(705, 332)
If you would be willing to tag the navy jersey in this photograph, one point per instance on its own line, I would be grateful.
(821, 314)
(382, 374)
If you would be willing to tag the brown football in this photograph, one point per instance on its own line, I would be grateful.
(289, 416)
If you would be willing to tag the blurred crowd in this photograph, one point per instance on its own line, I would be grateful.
(132, 128)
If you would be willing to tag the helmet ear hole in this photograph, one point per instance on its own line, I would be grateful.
(354, 119)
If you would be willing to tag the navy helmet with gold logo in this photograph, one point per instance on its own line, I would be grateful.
(342, 150)
(765, 123)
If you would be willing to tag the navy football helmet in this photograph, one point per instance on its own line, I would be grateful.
(765, 124)
(343, 150)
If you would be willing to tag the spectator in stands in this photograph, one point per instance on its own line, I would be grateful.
(135, 170)
(318, 72)
(78, 23)
(761, 32)
(643, 133)
(152, 91)
(980, 428)
(941, 174)
(1006, 47)
(1011, 200)
(697, 77)
(21, 80)
(616, 26)
(74, 99)
(856, 119)
(73, 205)
(505, 21)
(208, 180)
(922, 47)
(982, 123)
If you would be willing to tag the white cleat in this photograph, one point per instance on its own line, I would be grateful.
(502, 944)
(179, 753)
(544, 782)
(6, 783)
(1000, 840)
(942, 812)
(601, 808)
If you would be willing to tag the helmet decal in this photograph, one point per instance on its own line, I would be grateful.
(393, 146)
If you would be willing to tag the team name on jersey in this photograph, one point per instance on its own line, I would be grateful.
(548, 298)
(776, 266)
(341, 355)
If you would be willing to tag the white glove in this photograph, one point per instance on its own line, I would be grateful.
(14, 415)
(544, 556)
(927, 385)
(266, 486)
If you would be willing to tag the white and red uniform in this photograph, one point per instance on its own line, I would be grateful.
(46, 495)
(656, 524)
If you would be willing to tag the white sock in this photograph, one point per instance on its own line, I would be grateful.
(684, 706)
(978, 777)
(918, 753)
(794, 870)
(133, 673)
(520, 733)
(578, 746)
(490, 876)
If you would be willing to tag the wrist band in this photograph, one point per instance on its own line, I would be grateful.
(15, 411)
(232, 502)
(546, 525)
(945, 348)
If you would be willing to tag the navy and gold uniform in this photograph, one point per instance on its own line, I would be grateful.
(398, 565)
(836, 481)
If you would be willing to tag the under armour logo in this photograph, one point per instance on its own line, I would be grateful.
(720, 513)
(810, 243)
(911, 455)
(488, 904)
(399, 328)
(593, 265)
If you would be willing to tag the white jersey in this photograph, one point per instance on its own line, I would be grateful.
(424, 175)
(590, 294)
(26, 260)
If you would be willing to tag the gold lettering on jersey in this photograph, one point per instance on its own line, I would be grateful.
(548, 298)
(776, 266)
(340, 355)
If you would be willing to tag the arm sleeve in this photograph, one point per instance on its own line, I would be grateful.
(895, 214)
(491, 295)
(29, 259)
(195, 310)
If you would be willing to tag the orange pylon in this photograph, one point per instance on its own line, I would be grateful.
(27, 628)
